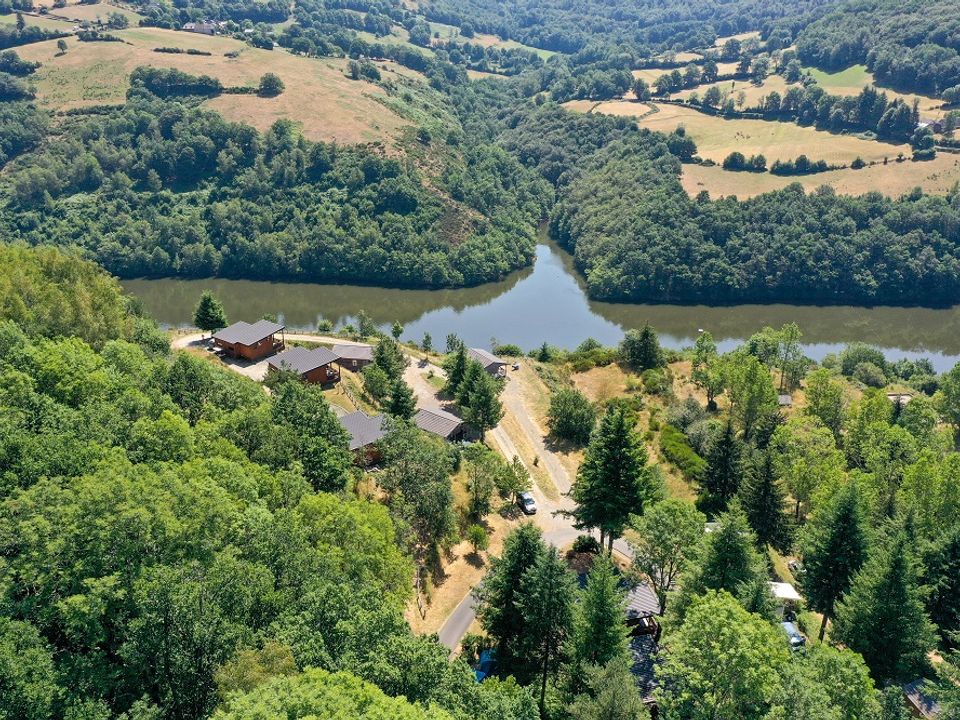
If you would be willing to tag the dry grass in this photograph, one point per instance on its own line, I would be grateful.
(718, 137)
(319, 96)
(936, 176)
(601, 384)
(721, 41)
(856, 77)
(753, 94)
(46, 23)
(90, 13)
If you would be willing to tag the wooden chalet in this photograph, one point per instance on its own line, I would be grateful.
(244, 341)
(490, 362)
(313, 366)
(441, 423)
(353, 356)
(365, 432)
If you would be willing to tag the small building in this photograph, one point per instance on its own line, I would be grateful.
(441, 423)
(786, 596)
(313, 366)
(204, 28)
(918, 702)
(642, 609)
(244, 341)
(365, 432)
(490, 362)
(353, 357)
(900, 399)
(785, 400)
(643, 654)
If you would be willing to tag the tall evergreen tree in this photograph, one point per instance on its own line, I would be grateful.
(456, 367)
(402, 402)
(599, 633)
(724, 468)
(209, 314)
(641, 350)
(614, 481)
(882, 617)
(834, 548)
(482, 408)
(389, 357)
(764, 503)
(941, 576)
(546, 600)
(472, 376)
(497, 597)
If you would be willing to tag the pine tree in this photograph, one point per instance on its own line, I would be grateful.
(614, 481)
(600, 635)
(641, 350)
(402, 402)
(764, 503)
(396, 330)
(456, 367)
(546, 599)
(882, 617)
(209, 314)
(483, 409)
(941, 575)
(724, 468)
(473, 374)
(497, 597)
(390, 358)
(834, 548)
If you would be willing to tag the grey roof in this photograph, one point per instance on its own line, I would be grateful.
(484, 358)
(303, 360)
(437, 422)
(246, 334)
(784, 400)
(916, 694)
(642, 602)
(643, 650)
(364, 430)
(353, 352)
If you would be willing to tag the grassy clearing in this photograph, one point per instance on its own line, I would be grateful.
(752, 93)
(718, 137)
(319, 96)
(46, 23)
(856, 77)
(937, 176)
(91, 13)
(721, 41)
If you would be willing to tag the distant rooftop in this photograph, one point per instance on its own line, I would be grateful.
(916, 695)
(437, 422)
(302, 360)
(484, 357)
(784, 591)
(242, 333)
(353, 352)
(364, 430)
(643, 650)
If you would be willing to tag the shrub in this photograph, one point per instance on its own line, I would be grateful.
(676, 449)
(655, 382)
(857, 353)
(683, 415)
(509, 349)
(571, 416)
(478, 538)
(270, 85)
(870, 375)
(586, 544)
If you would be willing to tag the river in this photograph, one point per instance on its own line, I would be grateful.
(548, 303)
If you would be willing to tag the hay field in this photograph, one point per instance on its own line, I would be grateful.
(90, 13)
(753, 94)
(318, 95)
(40, 21)
(894, 179)
(651, 74)
(721, 41)
(856, 77)
(718, 137)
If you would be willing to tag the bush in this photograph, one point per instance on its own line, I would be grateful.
(571, 416)
(870, 375)
(656, 382)
(857, 353)
(478, 538)
(683, 415)
(676, 449)
(509, 350)
(270, 85)
(586, 544)
(376, 382)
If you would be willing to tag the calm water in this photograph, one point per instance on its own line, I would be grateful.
(548, 303)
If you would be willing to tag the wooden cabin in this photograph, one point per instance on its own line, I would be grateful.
(441, 423)
(353, 357)
(313, 366)
(244, 341)
(365, 432)
(490, 362)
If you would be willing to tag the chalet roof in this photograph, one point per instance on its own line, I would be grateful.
(784, 400)
(353, 352)
(784, 591)
(916, 695)
(485, 358)
(642, 602)
(303, 360)
(437, 422)
(363, 429)
(242, 333)
(643, 650)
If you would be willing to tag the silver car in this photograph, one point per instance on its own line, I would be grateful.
(527, 503)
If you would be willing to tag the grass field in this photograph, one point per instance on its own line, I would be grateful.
(90, 13)
(718, 137)
(651, 74)
(38, 21)
(856, 77)
(721, 41)
(328, 105)
(753, 94)
(936, 176)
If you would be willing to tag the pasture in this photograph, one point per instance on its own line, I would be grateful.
(856, 77)
(318, 95)
(752, 93)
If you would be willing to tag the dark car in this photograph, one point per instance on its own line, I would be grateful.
(527, 503)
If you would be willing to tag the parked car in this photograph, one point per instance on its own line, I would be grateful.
(794, 636)
(527, 503)
(486, 665)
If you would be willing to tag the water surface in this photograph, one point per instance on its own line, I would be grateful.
(548, 303)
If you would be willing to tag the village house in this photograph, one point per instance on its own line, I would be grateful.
(207, 27)
(244, 341)
(490, 362)
(353, 357)
(365, 432)
(441, 423)
(313, 366)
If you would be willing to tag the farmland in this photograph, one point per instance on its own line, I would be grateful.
(853, 79)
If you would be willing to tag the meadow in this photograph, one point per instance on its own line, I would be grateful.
(856, 77)
(753, 93)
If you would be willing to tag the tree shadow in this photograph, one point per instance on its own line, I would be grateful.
(474, 559)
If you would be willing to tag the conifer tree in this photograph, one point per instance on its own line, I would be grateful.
(613, 695)
(614, 481)
(599, 635)
(482, 408)
(764, 503)
(641, 350)
(941, 575)
(456, 368)
(209, 314)
(402, 402)
(834, 548)
(724, 469)
(882, 617)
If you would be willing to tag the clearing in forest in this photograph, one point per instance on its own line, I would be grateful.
(856, 77)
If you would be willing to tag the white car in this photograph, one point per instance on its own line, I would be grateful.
(527, 503)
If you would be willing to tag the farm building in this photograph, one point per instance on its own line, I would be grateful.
(365, 431)
(438, 422)
(353, 357)
(244, 341)
(313, 366)
(491, 363)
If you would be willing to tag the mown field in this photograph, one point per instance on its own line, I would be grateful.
(852, 80)
(328, 105)
(753, 93)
